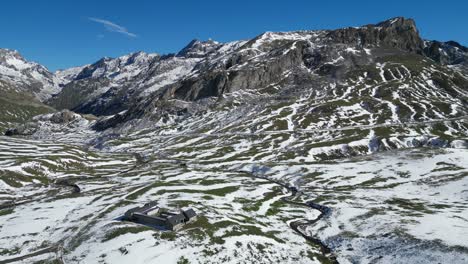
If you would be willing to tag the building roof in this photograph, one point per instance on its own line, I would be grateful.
(189, 214)
(142, 209)
(176, 219)
(172, 219)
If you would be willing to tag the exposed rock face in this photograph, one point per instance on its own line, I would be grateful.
(447, 53)
(45, 126)
(221, 80)
(398, 33)
(199, 49)
(22, 130)
(62, 117)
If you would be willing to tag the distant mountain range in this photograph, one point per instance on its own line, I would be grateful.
(370, 76)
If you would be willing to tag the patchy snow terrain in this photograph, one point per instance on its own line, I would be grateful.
(330, 146)
(391, 201)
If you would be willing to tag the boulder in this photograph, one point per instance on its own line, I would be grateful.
(62, 117)
(22, 130)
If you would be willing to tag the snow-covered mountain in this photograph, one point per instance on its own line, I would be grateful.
(27, 76)
(68, 75)
(385, 72)
(120, 69)
(140, 74)
(369, 81)
(324, 146)
(128, 78)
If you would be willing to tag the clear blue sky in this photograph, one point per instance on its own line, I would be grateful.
(62, 34)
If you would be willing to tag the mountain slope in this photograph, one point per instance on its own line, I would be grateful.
(311, 95)
(23, 85)
(286, 145)
(323, 63)
(322, 94)
(18, 107)
(27, 76)
(112, 85)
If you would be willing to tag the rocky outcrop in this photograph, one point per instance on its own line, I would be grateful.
(447, 53)
(400, 33)
(22, 130)
(199, 49)
(46, 123)
(283, 53)
(63, 117)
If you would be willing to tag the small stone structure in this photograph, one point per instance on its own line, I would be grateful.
(151, 214)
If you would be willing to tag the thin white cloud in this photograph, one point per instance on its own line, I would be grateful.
(111, 26)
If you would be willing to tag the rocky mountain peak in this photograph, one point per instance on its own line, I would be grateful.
(26, 76)
(197, 48)
(131, 64)
(13, 59)
(399, 32)
(9, 52)
(398, 22)
(457, 45)
(137, 58)
(448, 53)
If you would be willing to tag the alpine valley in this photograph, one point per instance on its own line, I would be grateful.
(328, 146)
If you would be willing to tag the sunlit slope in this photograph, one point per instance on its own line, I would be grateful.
(18, 107)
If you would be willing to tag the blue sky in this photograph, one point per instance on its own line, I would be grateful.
(61, 34)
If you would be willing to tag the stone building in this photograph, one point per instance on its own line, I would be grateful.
(152, 215)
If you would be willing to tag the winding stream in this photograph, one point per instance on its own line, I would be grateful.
(297, 224)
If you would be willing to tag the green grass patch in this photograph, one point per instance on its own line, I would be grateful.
(6, 211)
